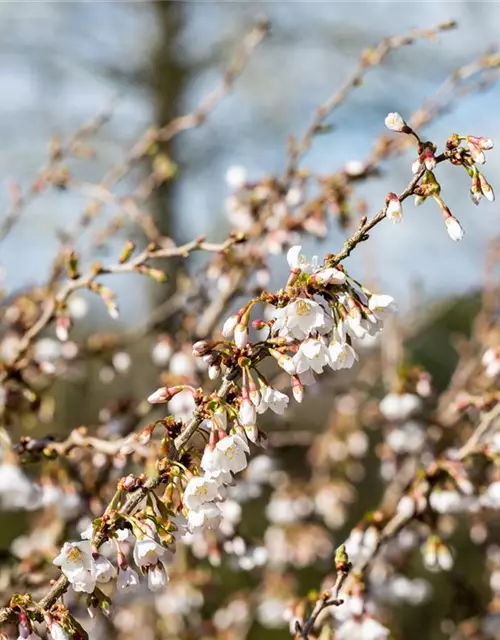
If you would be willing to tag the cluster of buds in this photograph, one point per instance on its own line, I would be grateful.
(466, 151)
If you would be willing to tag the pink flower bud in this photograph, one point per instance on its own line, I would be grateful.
(63, 325)
(247, 414)
(254, 393)
(428, 159)
(164, 394)
(330, 275)
(259, 324)
(394, 210)
(128, 483)
(476, 152)
(297, 389)
(144, 436)
(201, 348)
(483, 143)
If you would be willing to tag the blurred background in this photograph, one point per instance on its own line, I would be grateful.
(61, 64)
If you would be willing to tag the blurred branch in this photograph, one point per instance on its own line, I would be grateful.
(58, 149)
(370, 58)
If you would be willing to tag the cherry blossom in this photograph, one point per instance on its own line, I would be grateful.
(272, 399)
(77, 564)
(128, 580)
(198, 491)
(228, 455)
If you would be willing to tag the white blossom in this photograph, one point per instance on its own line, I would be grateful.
(219, 418)
(379, 303)
(302, 316)
(128, 580)
(396, 406)
(491, 498)
(147, 550)
(407, 438)
(228, 455)
(182, 405)
(271, 612)
(248, 414)
(161, 352)
(447, 501)
(272, 399)
(17, 491)
(312, 354)
(77, 564)
(365, 628)
(236, 176)
(491, 362)
(198, 491)
(206, 516)
(157, 576)
(395, 122)
(296, 260)
(394, 210)
(357, 325)
(342, 355)
(406, 507)
(58, 633)
(105, 571)
(330, 275)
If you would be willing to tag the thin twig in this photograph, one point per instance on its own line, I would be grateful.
(369, 59)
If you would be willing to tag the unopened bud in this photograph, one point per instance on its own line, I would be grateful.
(108, 298)
(127, 252)
(428, 159)
(342, 559)
(72, 265)
(214, 371)
(395, 122)
(394, 210)
(416, 166)
(128, 483)
(63, 325)
(241, 335)
(144, 436)
(283, 360)
(254, 393)
(156, 274)
(201, 348)
(259, 324)
(164, 394)
(454, 228)
(486, 188)
(475, 190)
(297, 389)
(229, 326)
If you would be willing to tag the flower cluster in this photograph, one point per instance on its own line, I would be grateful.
(85, 568)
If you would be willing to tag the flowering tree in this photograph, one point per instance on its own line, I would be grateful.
(125, 513)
